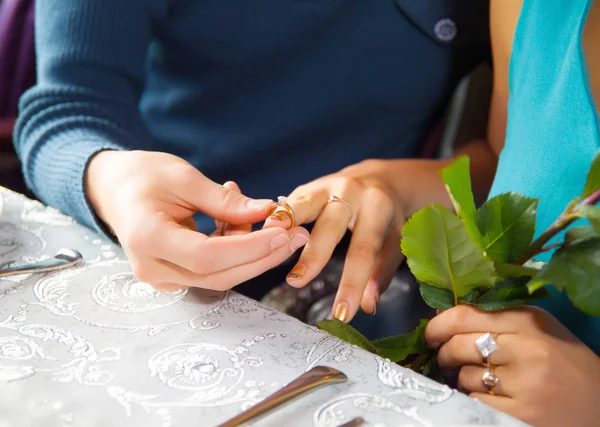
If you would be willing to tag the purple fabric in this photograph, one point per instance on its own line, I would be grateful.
(17, 55)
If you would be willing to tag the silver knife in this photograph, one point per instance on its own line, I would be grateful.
(354, 422)
(64, 258)
(310, 380)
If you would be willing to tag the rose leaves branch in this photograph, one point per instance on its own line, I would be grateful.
(485, 257)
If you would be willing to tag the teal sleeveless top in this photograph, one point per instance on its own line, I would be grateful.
(553, 126)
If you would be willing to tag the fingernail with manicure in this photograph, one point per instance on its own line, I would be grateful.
(297, 272)
(280, 241)
(342, 311)
(298, 241)
(260, 204)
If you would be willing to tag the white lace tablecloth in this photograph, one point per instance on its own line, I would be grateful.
(92, 346)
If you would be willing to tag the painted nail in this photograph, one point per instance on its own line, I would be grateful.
(297, 272)
(341, 311)
(260, 204)
(279, 242)
(298, 241)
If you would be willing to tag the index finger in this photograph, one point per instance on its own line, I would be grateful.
(200, 254)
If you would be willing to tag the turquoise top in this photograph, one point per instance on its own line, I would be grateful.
(552, 133)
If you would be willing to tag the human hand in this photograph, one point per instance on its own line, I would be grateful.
(370, 208)
(547, 377)
(149, 199)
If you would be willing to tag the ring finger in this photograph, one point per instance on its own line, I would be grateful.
(462, 350)
(369, 233)
(471, 377)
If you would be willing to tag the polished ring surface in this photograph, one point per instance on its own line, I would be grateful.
(339, 199)
(486, 345)
(489, 380)
(282, 206)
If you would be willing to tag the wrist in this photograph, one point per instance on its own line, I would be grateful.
(96, 180)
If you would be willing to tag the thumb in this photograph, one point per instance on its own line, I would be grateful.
(223, 203)
(225, 229)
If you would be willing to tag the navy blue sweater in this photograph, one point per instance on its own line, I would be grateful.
(269, 93)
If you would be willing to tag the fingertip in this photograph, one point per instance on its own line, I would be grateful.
(344, 310)
(369, 304)
(341, 311)
(297, 276)
(260, 205)
(372, 296)
(299, 230)
(431, 335)
(232, 185)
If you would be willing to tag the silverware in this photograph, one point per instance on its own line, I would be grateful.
(308, 381)
(64, 258)
(354, 422)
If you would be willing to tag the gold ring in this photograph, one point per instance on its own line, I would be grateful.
(281, 205)
(490, 379)
(339, 199)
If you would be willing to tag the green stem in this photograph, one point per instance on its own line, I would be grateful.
(552, 246)
(567, 218)
(592, 199)
(537, 246)
(419, 361)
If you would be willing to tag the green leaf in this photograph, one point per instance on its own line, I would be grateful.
(435, 297)
(439, 252)
(513, 270)
(399, 347)
(511, 293)
(432, 370)
(457, 177)
(347, 333)
(592, 214)
(593, 179)
(470, 298)
(576, 268)
(507, 223)
(577, 234)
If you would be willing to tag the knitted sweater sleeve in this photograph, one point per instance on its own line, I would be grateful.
(91, 58)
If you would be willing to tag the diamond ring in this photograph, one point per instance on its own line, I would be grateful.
(281, 207)
(486, 345)
(489, 380)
